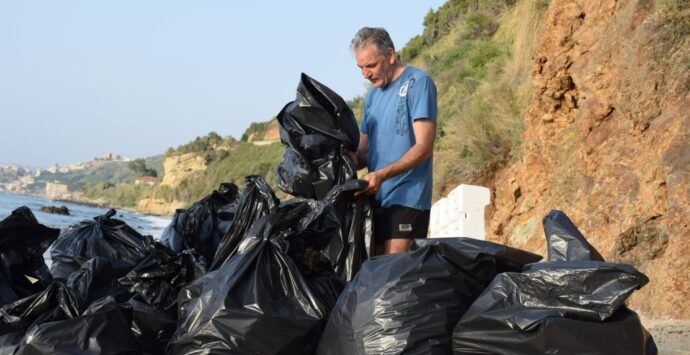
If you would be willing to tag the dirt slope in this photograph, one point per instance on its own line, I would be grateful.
(607, 140)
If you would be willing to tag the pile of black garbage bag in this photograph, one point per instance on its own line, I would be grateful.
(242, 272)
(571, 304)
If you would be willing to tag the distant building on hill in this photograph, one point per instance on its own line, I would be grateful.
(148, 180)
(112, 157)
(56, 190)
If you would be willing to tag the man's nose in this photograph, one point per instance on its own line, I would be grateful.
(366, 73)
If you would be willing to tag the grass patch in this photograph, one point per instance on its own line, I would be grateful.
(481, 66)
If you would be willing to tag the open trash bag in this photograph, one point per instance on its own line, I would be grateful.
(272, 296)
(104, 237)
(568, 305)
(318, 127)
(201, 226)
(409, 302)
(23, 241)
(256, 201)
(352, 244)
(154, 284)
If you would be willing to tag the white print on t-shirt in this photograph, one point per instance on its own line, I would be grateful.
(403, 89)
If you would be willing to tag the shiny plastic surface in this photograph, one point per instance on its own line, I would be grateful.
(352, 244)
(104, 237)
(201, 226)
(56, 302)
(270, 297)
(318, 127)
(101, 329)
(557, 307)
(256, 201)
(564, 241)
(23, 241)
(409, 302)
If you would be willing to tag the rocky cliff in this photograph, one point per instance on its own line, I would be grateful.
(180, 167)
(176, 169)
(269, 134)
(607, 140)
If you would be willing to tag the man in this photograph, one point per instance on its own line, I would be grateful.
(396, 142)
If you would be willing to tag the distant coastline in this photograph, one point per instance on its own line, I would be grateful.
(82, 202)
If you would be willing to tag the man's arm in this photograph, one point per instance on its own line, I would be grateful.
(360, 156)
(424, 133)
(362, 149)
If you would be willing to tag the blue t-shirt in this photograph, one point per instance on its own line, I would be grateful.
(387, 121)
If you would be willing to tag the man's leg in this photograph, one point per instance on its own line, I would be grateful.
(397, 245)
(381, 230)
(404, 224)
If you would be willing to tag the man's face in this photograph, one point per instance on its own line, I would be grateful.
(376, 67)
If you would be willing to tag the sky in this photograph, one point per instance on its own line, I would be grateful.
(82, 78)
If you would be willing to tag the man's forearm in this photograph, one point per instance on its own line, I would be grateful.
(413, 157)
(361, 161)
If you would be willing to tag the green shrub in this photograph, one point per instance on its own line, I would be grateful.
(478, 25)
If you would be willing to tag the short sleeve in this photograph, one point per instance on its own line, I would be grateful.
(422, 99)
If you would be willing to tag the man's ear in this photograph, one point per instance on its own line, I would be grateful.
(391, 56)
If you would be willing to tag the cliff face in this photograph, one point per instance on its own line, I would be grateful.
(159, 206)
(607, 140)
(270, 133)
(179, 167)
(176, 168)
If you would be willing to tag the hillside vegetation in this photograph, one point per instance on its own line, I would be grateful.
(479, 55)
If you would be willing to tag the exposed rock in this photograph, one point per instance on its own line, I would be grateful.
(63, 210)
(272, 132)
(180, 167)
(159, 206)
(607, 140)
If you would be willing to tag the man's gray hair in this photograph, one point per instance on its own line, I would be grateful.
(372, 35)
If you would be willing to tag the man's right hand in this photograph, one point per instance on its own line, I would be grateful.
(374, 180)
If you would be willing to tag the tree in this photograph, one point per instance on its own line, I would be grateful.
(140, 168)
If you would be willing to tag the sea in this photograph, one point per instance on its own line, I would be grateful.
(144, 224)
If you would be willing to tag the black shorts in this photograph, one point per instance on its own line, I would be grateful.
(399, 222)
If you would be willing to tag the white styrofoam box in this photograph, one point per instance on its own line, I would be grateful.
(461, 214)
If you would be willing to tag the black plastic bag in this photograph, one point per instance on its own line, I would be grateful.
(155, 284)
(101, 329)
(410, 302)
(56, 302)
(572, 306)
(94, 280)
(201, 226)
(564, 241)
(353, 243)
(318, 127)
(317, 111)
(272, 296)
(256, 201)
(104, 237)
(23, 241)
